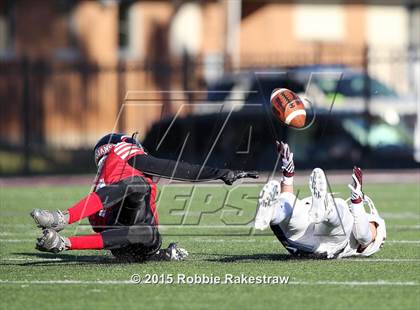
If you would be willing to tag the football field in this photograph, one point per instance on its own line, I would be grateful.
(214, 225)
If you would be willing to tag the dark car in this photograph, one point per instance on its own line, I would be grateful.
(245, 140)
(236, 90)
(344, 87)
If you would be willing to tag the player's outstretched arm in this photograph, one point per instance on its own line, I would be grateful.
(183, 171)
(363, 231)
(288, 166)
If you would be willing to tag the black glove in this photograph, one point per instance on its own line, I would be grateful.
(231, 176)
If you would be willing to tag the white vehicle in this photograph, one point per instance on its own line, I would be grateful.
(348, 88)
(325, 85)
(321, 226)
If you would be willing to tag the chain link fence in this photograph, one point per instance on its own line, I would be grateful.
(52, 112)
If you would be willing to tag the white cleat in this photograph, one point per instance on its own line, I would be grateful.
(318, 187)
(269, 195)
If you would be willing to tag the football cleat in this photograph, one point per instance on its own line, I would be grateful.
(55, 220)
(269, 195)
(318, 187)
(171, 253)
(176, 253)
(52, 242)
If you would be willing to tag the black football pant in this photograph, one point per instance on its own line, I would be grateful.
(130, 228)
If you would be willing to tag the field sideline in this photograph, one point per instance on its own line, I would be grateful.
(220, 242)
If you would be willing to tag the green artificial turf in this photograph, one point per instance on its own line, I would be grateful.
(213, 224)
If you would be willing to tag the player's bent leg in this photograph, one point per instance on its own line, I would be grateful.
(52, 241)
(103, 198)
(266, 204)
(318, 187)
(334, 213)
(144, 244)
(338, 221)
(139, 253)
(136, 248)
(117, 238)
(135, 243)
(284, 208)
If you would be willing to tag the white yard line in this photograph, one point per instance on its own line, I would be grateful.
(400, 215)
(29, 259)
(98, 258)
(356, 283)
(208, 239)
(275, 241)
(411, 227)
(4, 233)
(403, 241)
(35, 233)
(379, 260)
(104, 282)
(125, 282)
(16, 240)
(17, 225)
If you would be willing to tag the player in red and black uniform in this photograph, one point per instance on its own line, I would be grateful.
(121, 208)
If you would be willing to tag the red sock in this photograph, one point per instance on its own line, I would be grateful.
(85, 207)
(88, 242)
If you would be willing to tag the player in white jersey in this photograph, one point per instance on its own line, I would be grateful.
(321, 225)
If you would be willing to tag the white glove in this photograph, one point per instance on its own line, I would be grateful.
(356, 186)
(288, 165)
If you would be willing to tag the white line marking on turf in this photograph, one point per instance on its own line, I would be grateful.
(391, 260)
(354, 283)
(17, 240)
(99, 258)
(403, 241)
(413, 227)
(402, 215)
(275, 241)
(125, 282)
(378, 260)
(105, 282)
(34, 233)
(28, 259)
(4, 233)
(244, 240)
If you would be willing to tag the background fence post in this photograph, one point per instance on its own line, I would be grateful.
(121, 93)
(26, 116)
(367, 99)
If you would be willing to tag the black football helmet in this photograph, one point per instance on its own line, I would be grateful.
(105, 143)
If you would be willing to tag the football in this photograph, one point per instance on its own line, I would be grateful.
(288, 107)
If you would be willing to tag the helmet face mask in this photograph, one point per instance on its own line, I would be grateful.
(104, 145)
